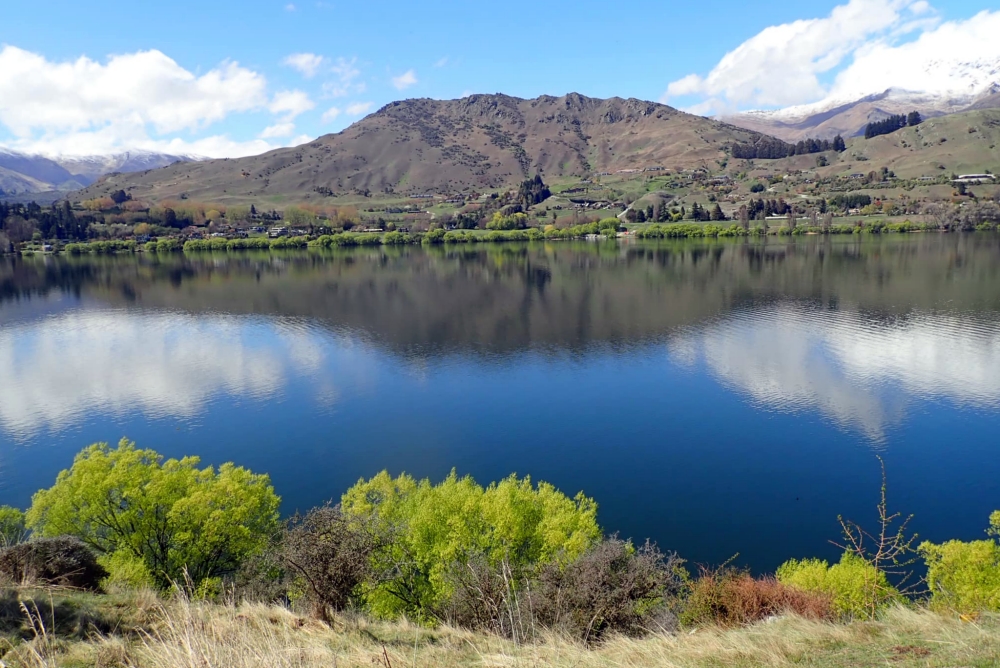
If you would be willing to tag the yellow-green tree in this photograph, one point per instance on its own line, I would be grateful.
(436, 526)
(171, 515)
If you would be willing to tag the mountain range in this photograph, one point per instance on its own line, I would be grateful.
(476, 143)
(24, 174)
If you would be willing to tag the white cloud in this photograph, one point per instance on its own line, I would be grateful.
(442, 62)
(330, 115)
(144, 88)
(290, 7)
(783, 64)
(359, 108)
(405, 80)
(278, 130)
(138, 101)
(959, 57)
(291, 103)
(346, 82)
(308, 64)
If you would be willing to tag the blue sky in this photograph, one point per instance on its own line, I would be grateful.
(230, 78)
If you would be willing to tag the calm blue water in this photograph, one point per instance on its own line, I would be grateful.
(717, 398)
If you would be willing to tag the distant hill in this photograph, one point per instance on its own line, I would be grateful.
(24, 175)
(849, 119)
(476, 143)
(966, 142)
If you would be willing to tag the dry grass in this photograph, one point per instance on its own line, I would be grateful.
(198, 635)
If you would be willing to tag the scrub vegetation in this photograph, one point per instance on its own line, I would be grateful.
(133, 560)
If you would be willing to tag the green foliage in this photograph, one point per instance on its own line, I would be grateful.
(173, 516)
(168, 246)
(12, 527)
(297, 217)
(101, 247)
(516, 221)
(856, 587)
(456, 521)
(125, 571)
(434, 237)
(964, 576)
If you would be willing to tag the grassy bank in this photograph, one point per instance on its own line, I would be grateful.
(142, 630)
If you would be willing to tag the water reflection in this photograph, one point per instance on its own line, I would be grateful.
(58, 370)
(852, 328)
(859, 370)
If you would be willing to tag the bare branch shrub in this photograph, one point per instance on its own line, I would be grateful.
(613, 588)
(889, 550)
(489, 598)
(332, 554)
(64, 561)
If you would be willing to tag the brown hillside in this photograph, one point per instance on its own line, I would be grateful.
(476, 143)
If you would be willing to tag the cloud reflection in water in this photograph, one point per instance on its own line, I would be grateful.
(57, 370)
(857, 370)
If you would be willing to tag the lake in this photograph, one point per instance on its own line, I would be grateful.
(718, 398)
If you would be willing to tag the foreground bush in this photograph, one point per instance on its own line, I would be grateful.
(965, 576)
(857, 588)
(62, 561)
(730, 598)
(612, 589)
(183, 522)
(13, 530)
(457, 521)
(331, 555)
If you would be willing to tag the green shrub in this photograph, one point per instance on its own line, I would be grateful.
(150, 246)
(181, 521)
(434, 237)
(858, 589)
(458, 520)
(12, 527)
(965, 576)
(125, 571)
(168, 246)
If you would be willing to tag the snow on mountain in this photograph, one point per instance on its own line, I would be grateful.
(25, 173)
(95, 166)
(945, 85)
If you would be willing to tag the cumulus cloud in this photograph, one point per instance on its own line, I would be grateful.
(955, 57)
(793, 63)
(133, 101)
(278, 130)
(359, 108)
(330, 115)
(405, 80)
(308, 64)
(145, 87)
(290, 103)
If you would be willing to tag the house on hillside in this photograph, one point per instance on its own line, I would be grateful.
(973, 179)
